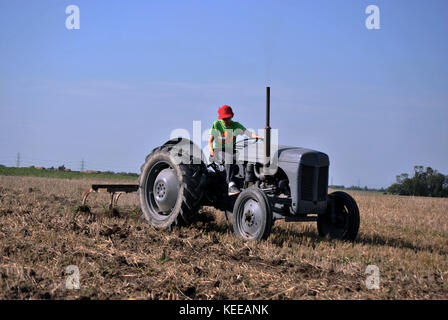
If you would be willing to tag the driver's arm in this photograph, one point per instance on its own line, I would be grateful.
(251, 134)
(210, 145)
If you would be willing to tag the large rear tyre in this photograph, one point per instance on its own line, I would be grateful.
(345, 225)
(169, 193)
(252, 215)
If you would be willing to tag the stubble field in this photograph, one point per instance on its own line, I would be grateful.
(119, 256)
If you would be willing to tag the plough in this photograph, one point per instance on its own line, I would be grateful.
(115, 191)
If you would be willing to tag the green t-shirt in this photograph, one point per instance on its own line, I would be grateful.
(219, 131)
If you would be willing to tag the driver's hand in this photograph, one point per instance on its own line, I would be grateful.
(212, 153)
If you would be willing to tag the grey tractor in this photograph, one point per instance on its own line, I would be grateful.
(277, 182)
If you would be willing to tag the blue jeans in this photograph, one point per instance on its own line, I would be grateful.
(230, 165)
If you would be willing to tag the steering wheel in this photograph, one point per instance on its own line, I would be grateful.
(245, 142)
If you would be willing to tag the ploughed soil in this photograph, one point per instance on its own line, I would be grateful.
(45, 236)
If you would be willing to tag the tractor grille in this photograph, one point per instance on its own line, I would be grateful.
(308, 181)
(323, 183)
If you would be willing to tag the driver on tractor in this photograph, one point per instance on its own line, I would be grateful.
(222, 141)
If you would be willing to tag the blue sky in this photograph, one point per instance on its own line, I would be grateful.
(374, 100)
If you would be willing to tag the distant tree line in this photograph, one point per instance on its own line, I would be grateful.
(425, 182)
(365, 189)
(62, 168)
(357, 188)
(131, 174)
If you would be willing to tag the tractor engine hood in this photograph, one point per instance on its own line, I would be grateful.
(254, 153)
(303, 155)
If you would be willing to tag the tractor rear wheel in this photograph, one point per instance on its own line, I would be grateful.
(345, 224)
(169, 192)
(252, 215)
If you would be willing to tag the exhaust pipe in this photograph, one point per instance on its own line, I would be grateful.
(267, 130)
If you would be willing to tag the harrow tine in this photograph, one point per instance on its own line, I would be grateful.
(112, 196)
(84, 197)
(117, 196)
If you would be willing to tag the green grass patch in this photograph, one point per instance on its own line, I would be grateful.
(33, 172)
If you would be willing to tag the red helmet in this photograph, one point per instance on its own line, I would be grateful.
(225, 112)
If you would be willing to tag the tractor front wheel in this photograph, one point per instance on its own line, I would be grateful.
(252, 215)
(343, 223)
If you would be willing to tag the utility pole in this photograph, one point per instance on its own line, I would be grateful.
(82, 165)
(18, 160)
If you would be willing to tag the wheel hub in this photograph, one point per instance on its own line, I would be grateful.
(251, 218)
(160, 190)
(166, 189)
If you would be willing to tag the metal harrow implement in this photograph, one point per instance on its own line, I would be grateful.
(115, 191)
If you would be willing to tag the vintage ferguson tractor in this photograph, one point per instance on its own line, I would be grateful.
(292, 184)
